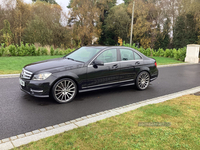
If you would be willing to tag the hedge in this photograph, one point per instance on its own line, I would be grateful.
(30, 50)
(179, 54)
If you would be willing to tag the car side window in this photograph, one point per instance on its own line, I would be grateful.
(137, 57)
(108, 56)
(126, 54)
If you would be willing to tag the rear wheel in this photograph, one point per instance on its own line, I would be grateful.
(64, 90)
(143, 80)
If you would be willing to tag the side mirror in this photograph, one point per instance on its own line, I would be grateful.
(98, 63)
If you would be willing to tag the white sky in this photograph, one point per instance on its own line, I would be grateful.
(64, 3)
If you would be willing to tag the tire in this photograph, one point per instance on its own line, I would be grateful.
(64, 90)
(142, 80)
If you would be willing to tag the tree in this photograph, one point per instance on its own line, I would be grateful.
(118, 21)
(165, 35)
(6, 33)
(126, 2)
(179, 38)
(45, 27)
(191, 29)
(84, 17)
(107, 37)
(37, 31)
(48, 1)
(159, 39)
(21, 16)
(144, 22)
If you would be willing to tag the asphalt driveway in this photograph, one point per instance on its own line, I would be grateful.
(21, 113)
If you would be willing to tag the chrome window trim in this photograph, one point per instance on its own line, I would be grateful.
(133, 51)
(106, 63)
(90, 65)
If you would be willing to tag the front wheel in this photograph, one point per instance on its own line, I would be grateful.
(143, 80)
(64, 90)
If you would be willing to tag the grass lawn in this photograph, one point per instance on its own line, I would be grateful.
(12, 65)
(166, 61)
(123, 132)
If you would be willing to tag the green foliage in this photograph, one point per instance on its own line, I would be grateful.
(6, 34)
(174, 51)
(44, 51)
(52, 51)
(2, 49)
(32, 50)
(182, 54)
(119, 15)
(179, 54)
(57, 52)
(160, 52)
(179, 33)
(166, 39)
(148, 52)
(167, 53)
(61, 52)
(38, 53)
(12, 49)
(191, 32)
(48, 1)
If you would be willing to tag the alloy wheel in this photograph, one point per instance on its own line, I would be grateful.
(64, 90)
(143, 80)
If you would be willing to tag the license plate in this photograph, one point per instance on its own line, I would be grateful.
(22, 83)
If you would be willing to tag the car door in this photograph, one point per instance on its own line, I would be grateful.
(129, 62)
(104, 75)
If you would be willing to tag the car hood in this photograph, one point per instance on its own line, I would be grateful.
(53, 65)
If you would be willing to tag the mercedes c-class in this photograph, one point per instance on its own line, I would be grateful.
(88, 68)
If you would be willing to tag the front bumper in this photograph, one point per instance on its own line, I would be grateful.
(37, 88)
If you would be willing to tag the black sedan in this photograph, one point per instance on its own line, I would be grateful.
(88, 68)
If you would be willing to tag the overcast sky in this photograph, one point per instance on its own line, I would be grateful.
(64, 3)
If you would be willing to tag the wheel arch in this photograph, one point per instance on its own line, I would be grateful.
(144, 69)
(62, 77)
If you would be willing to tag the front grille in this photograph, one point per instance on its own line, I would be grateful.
(26, 74)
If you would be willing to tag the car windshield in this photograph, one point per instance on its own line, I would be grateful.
(83, 54)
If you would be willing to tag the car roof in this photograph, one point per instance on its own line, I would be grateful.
(103, 47)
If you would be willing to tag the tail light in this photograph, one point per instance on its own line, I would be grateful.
(156, 64)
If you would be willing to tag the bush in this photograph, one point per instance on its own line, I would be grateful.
(38, 52)
(52, 51)
(182, 54)
(177, 55)
(148, 52)
(44, 51)
(12, 49)
(2, 49)
(167, 53)
(56, 52)
(32, 50)
(160, 52)
(173, 53)
(60, 52)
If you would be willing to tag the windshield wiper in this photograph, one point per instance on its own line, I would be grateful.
(70, 58)
(74, 60)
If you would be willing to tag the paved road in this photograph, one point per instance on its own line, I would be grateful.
(21, 113)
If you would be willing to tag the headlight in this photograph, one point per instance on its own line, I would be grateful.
(41, 76)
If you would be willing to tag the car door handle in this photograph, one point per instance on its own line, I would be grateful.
(115, 66)
(137, 63)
